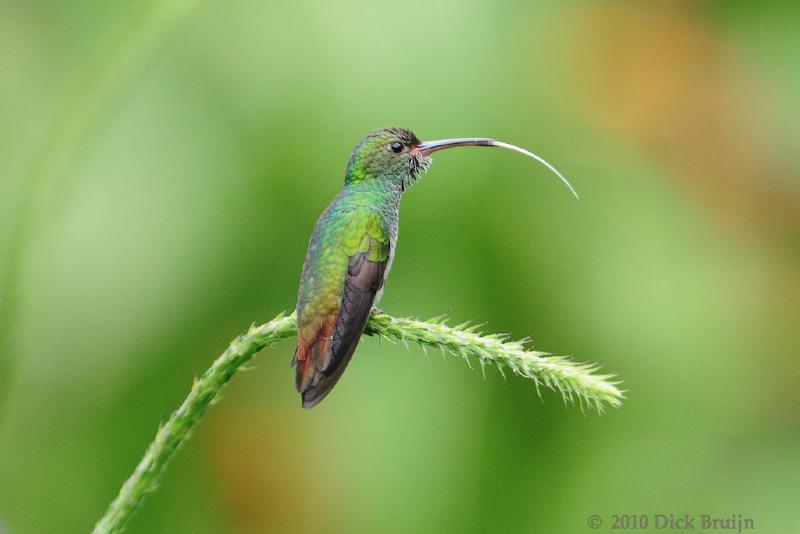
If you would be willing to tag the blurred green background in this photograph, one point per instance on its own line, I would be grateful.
(161, 168)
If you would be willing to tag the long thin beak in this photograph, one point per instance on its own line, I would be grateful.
(428, 147)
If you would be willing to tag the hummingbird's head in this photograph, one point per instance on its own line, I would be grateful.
(397, 156)
(388, 154)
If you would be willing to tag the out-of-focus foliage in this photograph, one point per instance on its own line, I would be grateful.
(161, 168)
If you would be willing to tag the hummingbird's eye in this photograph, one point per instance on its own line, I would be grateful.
(396, 147)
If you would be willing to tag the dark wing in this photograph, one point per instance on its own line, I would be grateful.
(363, 281)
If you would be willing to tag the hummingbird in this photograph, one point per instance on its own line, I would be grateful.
(352, 247)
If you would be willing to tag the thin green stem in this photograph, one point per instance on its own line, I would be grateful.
(575, 381)
(180, 424)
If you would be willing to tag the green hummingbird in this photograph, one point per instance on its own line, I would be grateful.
(351, 250)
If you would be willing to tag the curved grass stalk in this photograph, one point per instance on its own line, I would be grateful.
(575, 381)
